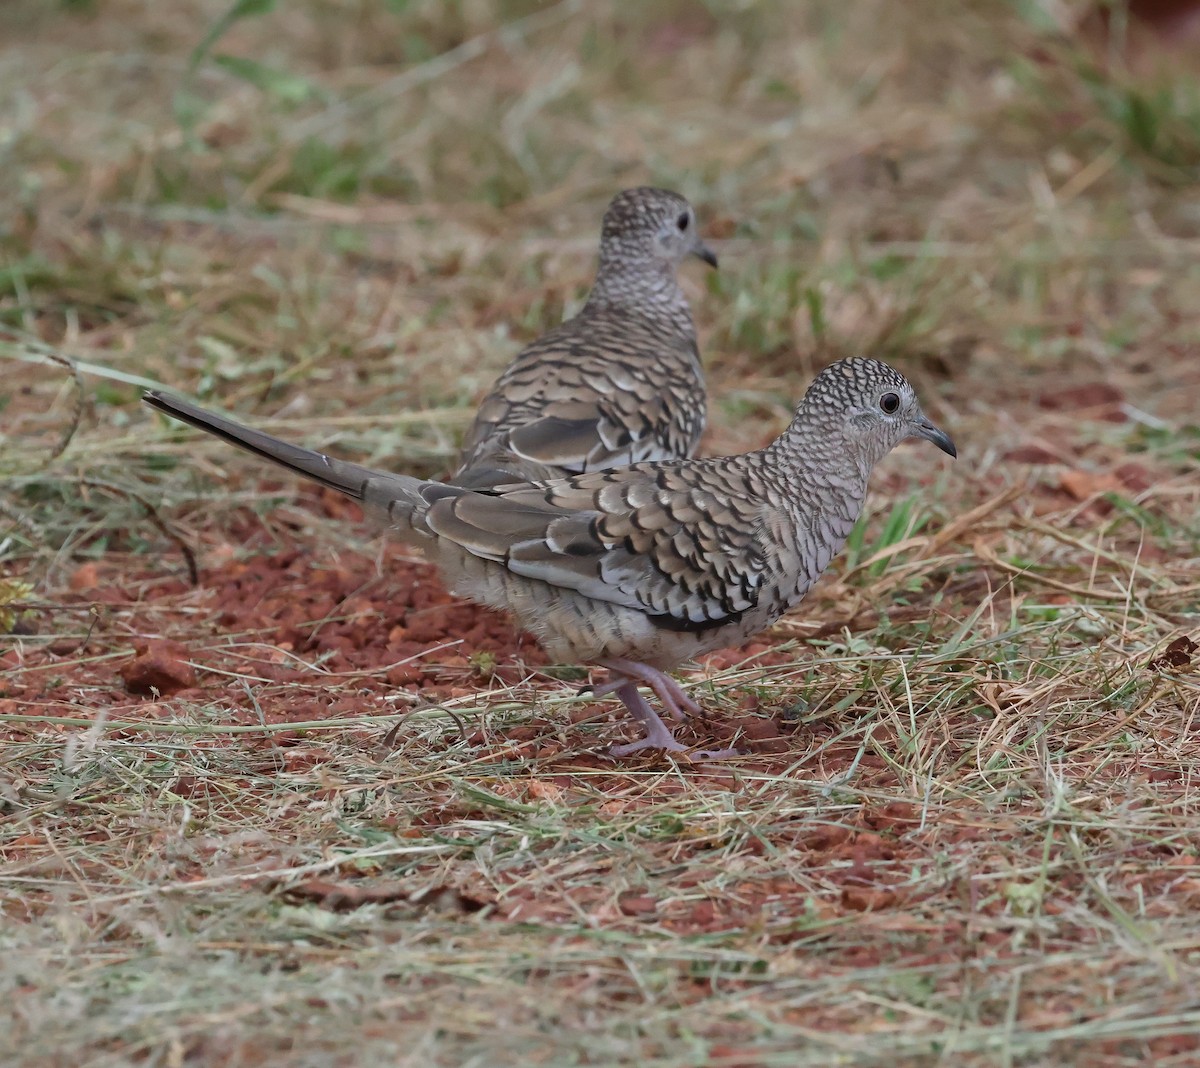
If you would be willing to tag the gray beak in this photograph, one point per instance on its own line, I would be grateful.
(940, 438)
(703, 252)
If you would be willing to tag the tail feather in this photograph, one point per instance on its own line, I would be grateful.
(397, 495)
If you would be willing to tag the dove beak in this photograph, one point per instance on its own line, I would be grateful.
(703, 252)
(940, 438)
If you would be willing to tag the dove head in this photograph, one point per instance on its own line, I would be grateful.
(650, 230)
(866, 408)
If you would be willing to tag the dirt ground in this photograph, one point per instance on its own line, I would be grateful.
(270, 795)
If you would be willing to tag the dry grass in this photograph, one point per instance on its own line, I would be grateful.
(972, 839)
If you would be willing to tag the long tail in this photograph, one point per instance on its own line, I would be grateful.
(399, 496)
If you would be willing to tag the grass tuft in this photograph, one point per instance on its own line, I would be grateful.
(965, 830)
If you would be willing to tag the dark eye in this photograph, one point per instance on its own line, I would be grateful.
(683, 222)
(890, 403)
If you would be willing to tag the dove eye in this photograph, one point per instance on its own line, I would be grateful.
(890, 403)
(683, 222)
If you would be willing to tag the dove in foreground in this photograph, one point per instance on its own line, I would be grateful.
(618, 383)
(640, 568)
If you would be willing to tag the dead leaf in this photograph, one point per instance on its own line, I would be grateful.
(864, 899)
(1084, 485)
(636, 903)
(347, 896)
(1177, 657)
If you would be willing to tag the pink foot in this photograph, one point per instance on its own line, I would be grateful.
(658, 735)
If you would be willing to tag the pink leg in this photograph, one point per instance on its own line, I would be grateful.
(658, 734)
(623, 680)
(665, 688)
(618, 679)
(603, 689)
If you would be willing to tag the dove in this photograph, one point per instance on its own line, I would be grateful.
(618, 383)
(638, 569)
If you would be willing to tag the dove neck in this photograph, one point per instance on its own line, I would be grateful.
(817, 456)
(640, 285)
(822, 484)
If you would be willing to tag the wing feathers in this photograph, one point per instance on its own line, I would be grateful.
(613, 537)
(600, 391)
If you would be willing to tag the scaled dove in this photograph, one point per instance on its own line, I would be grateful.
(640, 568)
(618, 383)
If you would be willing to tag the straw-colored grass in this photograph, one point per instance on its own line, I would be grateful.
(968, 836)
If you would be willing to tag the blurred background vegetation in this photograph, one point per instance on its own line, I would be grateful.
(356, 210)
(339, 219)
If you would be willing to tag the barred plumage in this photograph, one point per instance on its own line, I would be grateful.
(642, 567)
(620, 382)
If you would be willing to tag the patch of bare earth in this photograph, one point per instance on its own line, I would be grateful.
(304, 808)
